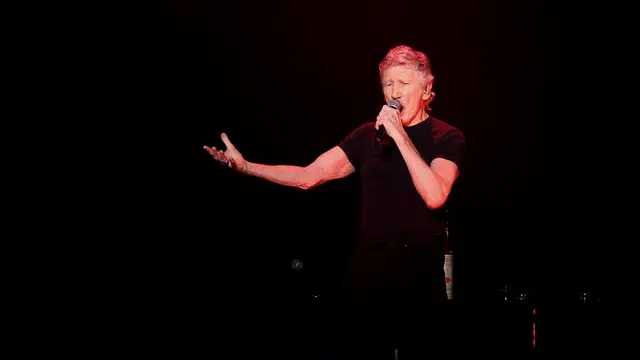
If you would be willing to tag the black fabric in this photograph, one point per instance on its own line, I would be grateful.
(390, 203)
(396, 300)
(396, 293)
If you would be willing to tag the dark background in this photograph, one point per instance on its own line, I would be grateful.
(138, 88)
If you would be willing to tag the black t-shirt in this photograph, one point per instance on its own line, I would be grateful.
(391, 207)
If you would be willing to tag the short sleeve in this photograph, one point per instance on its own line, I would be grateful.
(354, 144)
(452, 147)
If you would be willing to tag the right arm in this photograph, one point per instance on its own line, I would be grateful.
(331, 165)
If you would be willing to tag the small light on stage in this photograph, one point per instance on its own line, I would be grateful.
(296, 265)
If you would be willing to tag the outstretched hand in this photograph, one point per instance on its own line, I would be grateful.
(231, 157)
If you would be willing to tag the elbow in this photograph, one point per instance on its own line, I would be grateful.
(437, 199)
(435, 204)
(307, 186)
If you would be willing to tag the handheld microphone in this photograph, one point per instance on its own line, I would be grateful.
(381, 132)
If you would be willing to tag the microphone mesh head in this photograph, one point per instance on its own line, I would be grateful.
(395, 104)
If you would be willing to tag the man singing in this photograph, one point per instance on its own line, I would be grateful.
(408, 162)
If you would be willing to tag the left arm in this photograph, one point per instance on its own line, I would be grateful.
(433, 182)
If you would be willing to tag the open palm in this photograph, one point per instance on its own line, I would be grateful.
(230, 157)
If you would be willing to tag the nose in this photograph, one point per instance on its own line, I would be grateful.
(395, 93)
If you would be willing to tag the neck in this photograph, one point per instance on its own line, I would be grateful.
(421, 116)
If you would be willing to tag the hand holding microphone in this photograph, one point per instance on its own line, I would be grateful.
(388, 122)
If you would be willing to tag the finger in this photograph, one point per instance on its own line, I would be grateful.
(222, 156)
(226, 141)
(379, 120)
(218, 156)
(382, 118)
(211, 152)
(390, 111)
(392, 115)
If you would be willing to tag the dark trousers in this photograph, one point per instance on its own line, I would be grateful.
(396, 301)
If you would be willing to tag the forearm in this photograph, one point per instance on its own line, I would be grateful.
(426, 182)
(288, 175)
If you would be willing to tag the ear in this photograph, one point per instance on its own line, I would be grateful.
(426, 93)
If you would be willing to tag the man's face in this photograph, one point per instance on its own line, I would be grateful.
(404, 85)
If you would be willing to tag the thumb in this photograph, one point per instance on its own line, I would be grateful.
(227, 143)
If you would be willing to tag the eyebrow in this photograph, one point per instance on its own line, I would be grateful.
(398, 79)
